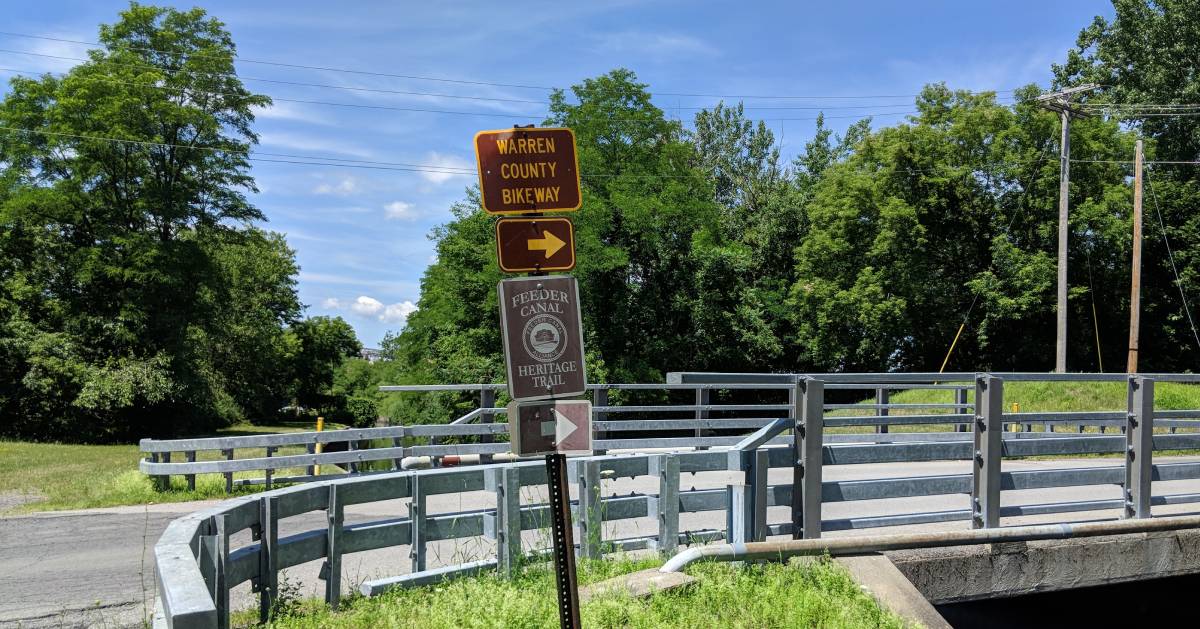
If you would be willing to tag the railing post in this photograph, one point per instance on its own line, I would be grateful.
(487, 400)
(165, 479)
(702, 398)
(159, 485)
(739, 516)
(808, 413)
(310, 448)
(221, 580)
(417, 517)
(507, 480)
(214, 544)
(269, 473)
(759, 487)
(190, 478)
(960, 399)
(666, 504)
(601, 399)
(985, 472)
(591, 519)
(882, 395)
(228, 475)
(396, 443)
(352, 446)
(268, 556)
(335, 514)
(1139, 445)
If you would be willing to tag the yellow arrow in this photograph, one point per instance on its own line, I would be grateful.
(548, 243)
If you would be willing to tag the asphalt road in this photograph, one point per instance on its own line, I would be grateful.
(95, 568)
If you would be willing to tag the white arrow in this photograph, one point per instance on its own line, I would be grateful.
(564, 427)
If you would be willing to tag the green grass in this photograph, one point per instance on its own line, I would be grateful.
(56, 476)
(814, 594)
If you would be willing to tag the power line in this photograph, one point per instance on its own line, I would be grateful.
(314, 160)
(488, 114)
(474, 82)
(24, 72)
(1128, 161)
(1171, 257)
(325, 160)
(277, 81)
(296, 65)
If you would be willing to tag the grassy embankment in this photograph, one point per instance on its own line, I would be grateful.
(52, 476)
(814, 594)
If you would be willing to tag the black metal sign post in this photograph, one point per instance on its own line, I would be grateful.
(564, 541)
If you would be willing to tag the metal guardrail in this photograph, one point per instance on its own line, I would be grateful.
(196, 567)
(478, 434)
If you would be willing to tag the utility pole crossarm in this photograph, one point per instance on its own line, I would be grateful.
(1060, 101)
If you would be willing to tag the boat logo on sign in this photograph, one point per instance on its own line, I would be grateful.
(544, 336)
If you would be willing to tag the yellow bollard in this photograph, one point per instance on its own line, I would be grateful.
(1016, 408)
(320, 427)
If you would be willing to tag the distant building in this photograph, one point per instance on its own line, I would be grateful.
(370, 354)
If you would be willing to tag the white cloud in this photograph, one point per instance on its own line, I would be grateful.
(290, 112)
(58, 56)
(366, 306)
(658, 45)
(446, 164)
(344, 186)
(398, 313)
(400, 210)
(371, 308)
(314, 145)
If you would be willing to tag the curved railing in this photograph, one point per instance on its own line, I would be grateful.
(705, 421)
(197, 567)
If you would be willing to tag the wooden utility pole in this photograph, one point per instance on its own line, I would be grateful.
(1061, 102)
(1135, 289)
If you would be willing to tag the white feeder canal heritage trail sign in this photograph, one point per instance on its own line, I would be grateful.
(543, 337)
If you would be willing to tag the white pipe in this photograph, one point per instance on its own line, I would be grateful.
(452, 460)
(878, 543)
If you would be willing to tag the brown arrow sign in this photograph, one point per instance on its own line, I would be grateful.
(563, 426)
(531, 245)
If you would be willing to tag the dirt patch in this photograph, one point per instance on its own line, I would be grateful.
(10, 500)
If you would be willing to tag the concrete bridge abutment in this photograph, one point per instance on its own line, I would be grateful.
(967, 573)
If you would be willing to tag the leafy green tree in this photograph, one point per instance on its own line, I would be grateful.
(323, 343)
(646, 205)
(137, 297)
(955, 209)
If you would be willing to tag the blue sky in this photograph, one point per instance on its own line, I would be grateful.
(361, 235)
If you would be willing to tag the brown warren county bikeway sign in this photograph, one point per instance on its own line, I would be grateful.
(535, 244)
(563, 426)
(543, 337)
(528, 171)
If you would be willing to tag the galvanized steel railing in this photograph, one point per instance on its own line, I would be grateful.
(196, 566)
(613, 431)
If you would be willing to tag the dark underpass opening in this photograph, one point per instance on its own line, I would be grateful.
(1149, 602)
